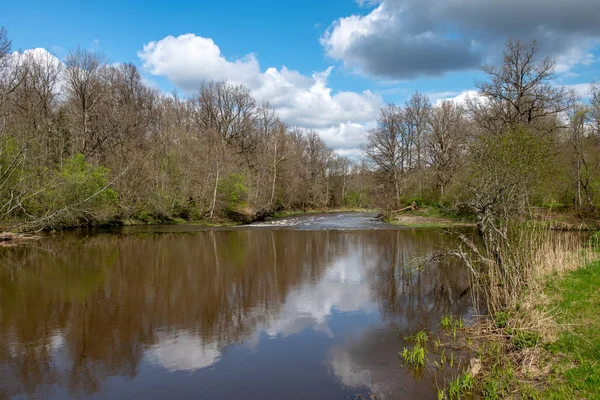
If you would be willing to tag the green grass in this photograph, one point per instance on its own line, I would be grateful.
(449, 322)
(576, 374)
(461, 387)
(415, 357)
(420, 338)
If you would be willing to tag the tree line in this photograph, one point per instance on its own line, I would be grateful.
(523, 141)
(85, 141)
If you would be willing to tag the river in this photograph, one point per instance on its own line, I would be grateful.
(308, 307)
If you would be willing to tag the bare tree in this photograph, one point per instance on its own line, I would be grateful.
(278, 153)
(418, 108)
(445, 141)
(520, 90)
(85, 87)
(384, 147)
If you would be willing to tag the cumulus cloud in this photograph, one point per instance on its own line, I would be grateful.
(457, 97)
(582, 90)
(402, 39)
(304, 101)
(43, 58)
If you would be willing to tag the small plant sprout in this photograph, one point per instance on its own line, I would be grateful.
(446, 321)
(415, 357)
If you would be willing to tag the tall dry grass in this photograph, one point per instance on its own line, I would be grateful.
(510, 274)
(510, 270)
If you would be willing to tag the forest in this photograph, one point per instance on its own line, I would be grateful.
(84, 141)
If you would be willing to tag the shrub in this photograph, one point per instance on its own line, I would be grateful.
(233, 192)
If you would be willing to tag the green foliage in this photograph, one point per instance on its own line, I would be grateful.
(492, 389)
(233, 192)
(419, 201)
(83, 181)
(462, 386)
(415, 357)
(525, 339)
(506, 168)
(446, 321)
(501, 319)
(449, 322)
(419, 338)
(355, 198)
(497, 384)
(76, 193)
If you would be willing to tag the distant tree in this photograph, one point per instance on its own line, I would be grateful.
(520, 91)
(384, 148)
(445, 141)
(86, 89)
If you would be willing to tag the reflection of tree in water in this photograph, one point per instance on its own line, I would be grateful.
(414, 296)
(411, 296)
(38, 286)
(110, 296)
(77, 311)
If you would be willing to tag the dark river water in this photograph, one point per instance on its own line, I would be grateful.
(311, 307)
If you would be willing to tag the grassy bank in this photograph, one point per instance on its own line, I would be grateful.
(545, 347)
(576, 371)
(428, 217)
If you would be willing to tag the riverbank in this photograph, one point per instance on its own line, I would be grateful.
(548, 347)
(564, 219)
(428, 217)
(239, 218)
(434, 217)
(13, 239)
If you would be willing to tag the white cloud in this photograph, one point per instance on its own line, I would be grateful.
(581, 89)
(300, 100)
(43, 58)
(343, 33)
(346, 136)
(577, 55)
(457, 97)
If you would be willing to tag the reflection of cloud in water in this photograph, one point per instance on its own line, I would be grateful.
(369, 364)
(343, 288)
(184, 352)
(354, 375)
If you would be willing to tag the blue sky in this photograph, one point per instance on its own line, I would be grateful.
(381, 51)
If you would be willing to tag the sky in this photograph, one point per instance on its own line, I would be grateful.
(323, 65)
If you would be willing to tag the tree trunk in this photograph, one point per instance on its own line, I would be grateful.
(214, 200)
(273, 183)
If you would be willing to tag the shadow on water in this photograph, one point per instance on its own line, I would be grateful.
(188, 313)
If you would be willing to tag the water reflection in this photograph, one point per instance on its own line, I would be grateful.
(301, 314)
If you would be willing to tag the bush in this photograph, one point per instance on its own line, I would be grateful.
(76, 194)
(523, 340)
(233, 192)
